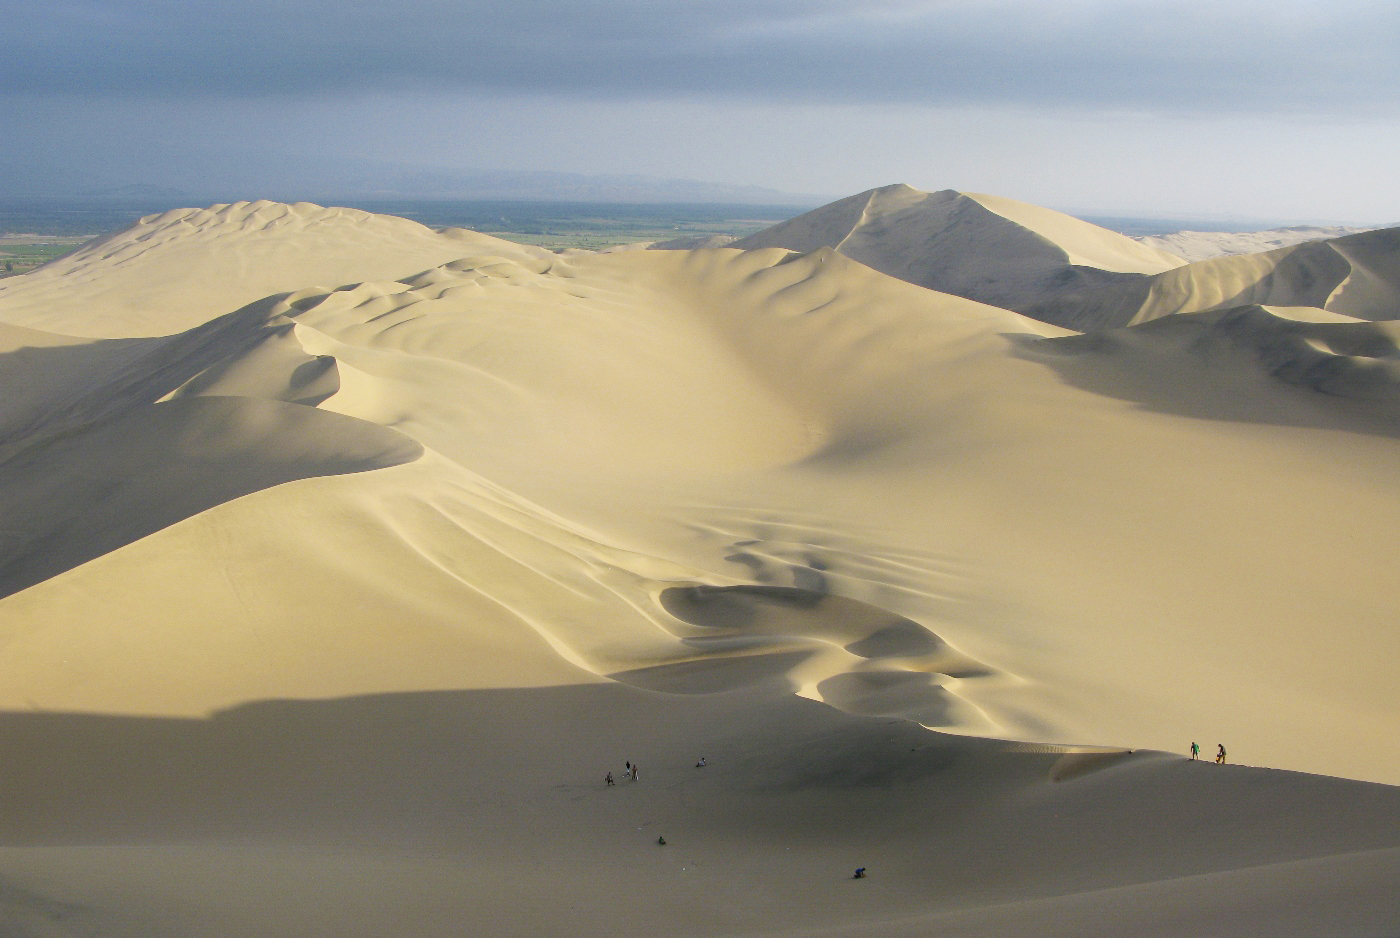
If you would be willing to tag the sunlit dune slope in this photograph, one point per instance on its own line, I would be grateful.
(178, 269)
(984, 247)
(692, 471)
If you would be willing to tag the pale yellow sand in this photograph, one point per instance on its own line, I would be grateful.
(183, 267)
(636, 499)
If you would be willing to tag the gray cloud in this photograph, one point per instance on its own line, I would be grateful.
(1164, 55)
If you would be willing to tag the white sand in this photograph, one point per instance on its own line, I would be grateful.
(1202, 245)
(623, 505)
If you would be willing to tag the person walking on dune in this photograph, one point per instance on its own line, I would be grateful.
(634, 771)
(1195, 752)
(609, 779)
(1220, 754)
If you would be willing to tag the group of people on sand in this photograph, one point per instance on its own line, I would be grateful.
(629, 771)
(1219, 753)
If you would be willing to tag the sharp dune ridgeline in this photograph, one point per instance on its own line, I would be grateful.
(341, 558)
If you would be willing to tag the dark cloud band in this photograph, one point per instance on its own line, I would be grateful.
(1226, 55)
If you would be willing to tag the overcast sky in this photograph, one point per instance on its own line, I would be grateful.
(1287, 109)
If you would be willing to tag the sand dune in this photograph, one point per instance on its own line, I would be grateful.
(983, 247)
(416, 813)
(1202, 245)
(184, 267)
(778, 387)
(1067, 272)
(1357, 275)
(327, 608)
(1345, 359)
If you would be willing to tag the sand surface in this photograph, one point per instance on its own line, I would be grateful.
(1201, 245)
(983, 247)
(341, 558)
(1355, 275)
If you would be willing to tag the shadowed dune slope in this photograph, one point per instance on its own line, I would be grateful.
(76, 497)
(184, 267)
(416, 813)
(107, 441)
(1350, 359)
(987, 248)
(1357, 275)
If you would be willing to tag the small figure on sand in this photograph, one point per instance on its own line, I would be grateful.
(701, 764)
(661, 841)
(609, 779)
(1195, 752)
(860, 873)
(634, 771)
(1220, 754)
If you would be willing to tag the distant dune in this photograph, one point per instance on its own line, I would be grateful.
(1356, 275)
(181, 268)
(341, 559)
(986, 248)
(1070, 273)
(1202, 245)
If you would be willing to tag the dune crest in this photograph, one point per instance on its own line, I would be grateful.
(986, 248)
(172, 271)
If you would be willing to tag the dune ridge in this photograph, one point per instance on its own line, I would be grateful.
(986, 248)
(178, 269)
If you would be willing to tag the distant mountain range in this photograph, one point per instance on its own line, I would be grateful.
(230, 179)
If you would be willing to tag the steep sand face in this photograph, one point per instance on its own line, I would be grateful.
(637, 505)
(990, 249)
(175, 270)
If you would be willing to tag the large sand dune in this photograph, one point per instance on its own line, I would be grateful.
(183, 267)
(984, 247)
(1065, 271)
(327, 608)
